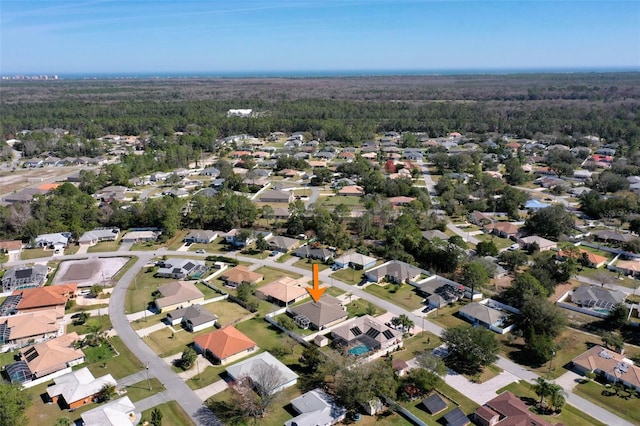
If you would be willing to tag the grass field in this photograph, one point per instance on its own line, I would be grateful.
(165, 343)
(333, 201)
(271, 273)
(308, 264)
(628, 409)
(404, 296)
(104, 246)
(139, 292)
(227, 312)
(417, 344)
(360, 307)
(348, 275)
(119, 366)
(139, 391)
(103, 321)
(172, 415)
(35, 253)
(568, 416)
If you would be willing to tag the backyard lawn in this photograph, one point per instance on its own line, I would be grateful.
(568, 416)
(348, 275)
(227, 312)
(271, 273)
(165, 342)
(35, 253)
(404, 296)
(308, 264)
(172, 414)
(361, 307)
(120, 365)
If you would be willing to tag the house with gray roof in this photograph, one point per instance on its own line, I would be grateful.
(17, 277)
(482, 314)
(202, 236)
(255, 367)
(434, 233)
(327, 311)
(314, 408)
(91, 238)
(210, 171)
(56, 240)
(194, 318)
(394, 271)
(440, 291)
(355, 260)
(313, 253)
(180, 268)
(368, 331)
(282, 244)
(592, 296)
(276, 196)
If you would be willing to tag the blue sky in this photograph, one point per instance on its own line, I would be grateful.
(219, 36)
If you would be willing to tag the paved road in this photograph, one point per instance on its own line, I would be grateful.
(189, 400)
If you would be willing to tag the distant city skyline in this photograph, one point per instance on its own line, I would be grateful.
(280, 37)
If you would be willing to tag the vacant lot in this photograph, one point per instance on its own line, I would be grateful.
(404, 295)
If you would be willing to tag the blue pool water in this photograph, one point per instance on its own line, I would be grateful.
(602, 311)
(359, 350)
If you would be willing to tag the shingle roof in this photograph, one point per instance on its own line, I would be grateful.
(195, 314)
(225, 342)
(177, 292)
(327, 310)
(599, 358)
(31, 324)
(78, 385)
(113, 413)
(250, 366)
(585, 294)
(482, 313)
(284, 289)
(52, 353)
(241, 274)
(514, 411)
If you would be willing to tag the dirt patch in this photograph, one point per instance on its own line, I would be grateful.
(88, 272)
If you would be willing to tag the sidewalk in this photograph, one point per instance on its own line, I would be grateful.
(152, 401)
(208, 391)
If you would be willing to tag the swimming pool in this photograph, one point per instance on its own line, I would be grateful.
(359, 350)
(602, 311)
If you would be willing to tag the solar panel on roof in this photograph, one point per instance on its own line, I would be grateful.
(188, 266)
(32, 356)
(23, 273)
(356, 331)
(373, 333)
(388, 334)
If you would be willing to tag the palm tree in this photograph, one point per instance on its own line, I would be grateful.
(542, 388)
(406, 322)
(557, 397)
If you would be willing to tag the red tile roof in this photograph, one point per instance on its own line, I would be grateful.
(226, 342)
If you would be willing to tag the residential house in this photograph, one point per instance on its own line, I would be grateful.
(210, 171)
(503, 229)
(43, 298)
(327, 311)
(181, 268)
(478, 218)
(46, 358)
(116, 192)
(281, 213)
(140, 236)
(17, 277)
(484, 315)
(507, 409)
(367, 331)
(194, 318)
(599, 297)
(177, 294)
(261, 364)
(612, 236)
(235, 237)
(282, 244)
(17, 331)
(91, 238)
(351, 190)
(78, 388)
(240, 274)
(629, 267)
(535, 205)
(289, 173)
(355, 260)
(440, 291)
(57, 240)
(11, 248)
(592, 260)
(283, 291)
(543, 243)
(394, 271)
(224, 345)
(24, 196)
(276, 196)
(316, 408)
(608, 364)
(434, 233)
(119, 412)
(201, 236)
(313, 253)
(400, 201)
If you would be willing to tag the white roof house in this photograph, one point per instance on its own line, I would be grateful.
(316, 408)
(78, 385)
(251, 367)
(56, 240)
(119, 412)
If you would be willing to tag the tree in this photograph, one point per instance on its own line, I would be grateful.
(618, 316)
(523, 285)
(513, 259)
(107, 392)
(265, 379)
(486, 248)
(542, 388)
(156, 417)
(261, 243)
(550, 222)
(14, 403)
(63, 421)
(539, 348)
(245, 291)
(267, 212)
(613, 340)
(469, 349)
(403, 321)
(358, 384)
(474, 275)
(557, 397)
(539, 316)
(311, 358)
(188, 357)
(432, 363)
(95, 290)
(422, 379)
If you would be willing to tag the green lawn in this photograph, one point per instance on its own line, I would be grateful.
(175, 242)
(568, 416)
(104, 321)
(404, 296)
(256, 254)
(165, 343)
(217, 246)
(210, 375)
(308, 264)
(104, 246)
(360, 307)
(283, 258)
(172, 415)
(271, 273)
(501, 243)
(628, 409)
(35, 253)
(139, 391)
(417, 344)
(333, 201)
(120, 365)
(150, 320)
(446, 317)
(139, 292)
(80, 308)
(227, 312)
(334, 291)
(348, 275)
(208, 292)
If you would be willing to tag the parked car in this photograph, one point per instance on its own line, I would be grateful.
(273, 253)
(201, 251)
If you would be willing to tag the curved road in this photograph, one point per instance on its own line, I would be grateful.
(186, 397)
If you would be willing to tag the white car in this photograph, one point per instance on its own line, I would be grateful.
(201, 251)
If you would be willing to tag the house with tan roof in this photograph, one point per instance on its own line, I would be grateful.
(283, 291)
(276, 196)
(507, 409)
(502, 229)
(326, 312)
(542, 243)
(283, 244)
(224, 345)
(44, 298)
(484, 315)
(17, 331)
(78, 388)
(240, 274)
(351, 190)
(177, 295)
(11, 247)
(610, 365)
(46, 358)
(400, 201)
(202, 236)
(367, 331)
(394, 271)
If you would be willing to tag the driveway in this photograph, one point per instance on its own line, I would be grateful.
(479, 392)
